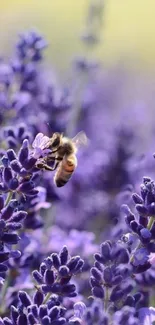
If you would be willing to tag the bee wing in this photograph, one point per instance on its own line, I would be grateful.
(41, 141)
(80, 139)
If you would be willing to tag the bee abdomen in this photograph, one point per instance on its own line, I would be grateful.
(62, 177)
(65, 171)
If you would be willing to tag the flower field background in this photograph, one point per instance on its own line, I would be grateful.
(83, 253)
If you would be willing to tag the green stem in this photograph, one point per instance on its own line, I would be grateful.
(150, 224)
(78, 97)
(106, 300)
(47, 297)
(8, 199)
(3, 293)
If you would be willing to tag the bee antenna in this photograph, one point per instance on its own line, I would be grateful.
(49, 125)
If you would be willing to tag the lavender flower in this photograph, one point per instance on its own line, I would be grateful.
(56, 272)
(37, 219)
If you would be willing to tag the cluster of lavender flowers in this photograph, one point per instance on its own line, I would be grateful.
(40, 225)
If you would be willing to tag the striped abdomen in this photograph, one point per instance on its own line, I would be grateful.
(65, 170)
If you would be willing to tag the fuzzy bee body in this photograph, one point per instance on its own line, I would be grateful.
(62, 154)
(65, 170)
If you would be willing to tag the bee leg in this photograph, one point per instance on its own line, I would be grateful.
(47, 167)
(56, 163)
(55, 150)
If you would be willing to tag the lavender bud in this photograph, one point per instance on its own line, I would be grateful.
(37, 276)
(137, 296)
(12, 142)
(26, 186)
(105, 250)
(8, 210)
(141, 209)
(79, 266)
(15, 254)
(137, 198)
(9, 132)
(10, 239)
(56, 260)
(73, 263)
(24, 151)
(31, 319)
(16, 166)
(107, 274)
(11, 155)
(99, 258)
(117, 280)
(130, 301)
(42, 311)
(14, 314)
(1, 202)
(23, 172)
(49, 277)
(143, 221)
(48, 288)
(7, 321)
(98, 266)
(68, 288)
(127, 211)
(38, 298)
(64, 255)
(18, 216)
(42, 268)
(64, 271)
(134, 225)
(22, 320)
(48, 262)
(4, 256)
(142, 268)
(2, 224)
(24, 298)
(14, 225)
(21, 130)
(29, 163)
(34, 310)
(127, 288)
(145, 233)
(5, 161)
(123, 256)
(54, 313)
(96, 274)
(7, 175)
(151, 209)
(116, 294)
(98, 292)
(3, 268)
(46, 320)
(13, 184)
(94, 282)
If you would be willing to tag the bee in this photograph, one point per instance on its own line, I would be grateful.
(62, 153)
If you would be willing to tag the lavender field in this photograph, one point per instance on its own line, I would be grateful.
(77, 237)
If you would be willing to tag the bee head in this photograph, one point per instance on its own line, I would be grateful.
(56, 140)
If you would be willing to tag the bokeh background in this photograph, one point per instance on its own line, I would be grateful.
(127, 32)
(98, 75)
(111, 88)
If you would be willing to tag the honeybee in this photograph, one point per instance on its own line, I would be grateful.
(62, 153)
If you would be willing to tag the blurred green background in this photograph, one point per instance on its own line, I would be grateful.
(128, 31)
